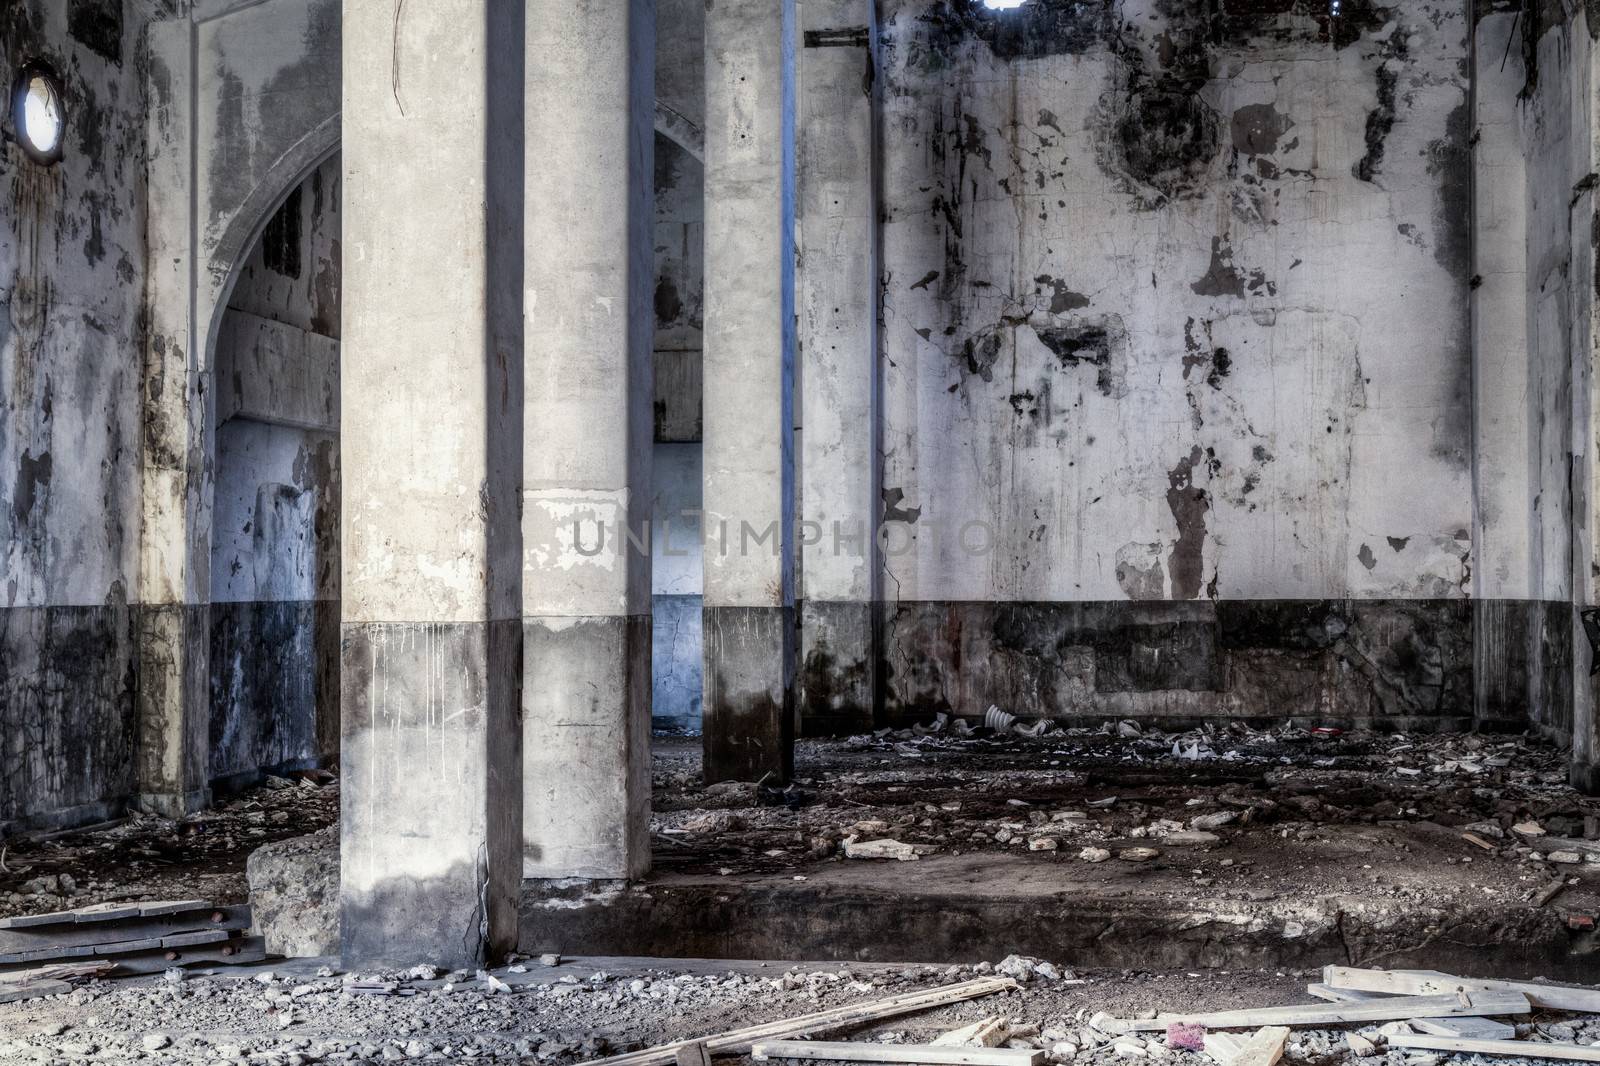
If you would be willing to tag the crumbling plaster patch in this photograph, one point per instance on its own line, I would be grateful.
(1328, 405)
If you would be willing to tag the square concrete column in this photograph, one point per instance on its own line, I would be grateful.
(172, 620)
(837, 293)
(748, 709)
(1509, 615)
(431, 828)
(587, 443)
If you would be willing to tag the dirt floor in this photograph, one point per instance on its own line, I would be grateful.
(1228, 812)
(1389, 821)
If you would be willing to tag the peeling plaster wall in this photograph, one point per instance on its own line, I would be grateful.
(275, 540)
(1175, 301)
(71, 283)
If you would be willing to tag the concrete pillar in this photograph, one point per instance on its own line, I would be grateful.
(836, 293)
(748, 713)
(173, 628)
(588, 438)
(431, 826)
(1508, 613)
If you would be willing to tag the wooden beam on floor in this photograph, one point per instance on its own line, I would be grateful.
(1430, 983)
(739, 1041)
(844, 1051)
(1471, 1028)
(1464, 1003)
(1522, 1049)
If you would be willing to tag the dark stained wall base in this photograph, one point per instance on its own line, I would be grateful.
(172, 644)
(1404, 664)
(836, 675)
(748, 713)
(431, 806)
(67, 717)
(274, 685)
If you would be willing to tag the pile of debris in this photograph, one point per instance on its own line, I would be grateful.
(1405, 1010)
(147, 857)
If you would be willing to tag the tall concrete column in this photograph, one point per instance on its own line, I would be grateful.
(431, 827)
(173, 626)
(1509, 615)
(837, 295)
(586, 500)
(748, 709)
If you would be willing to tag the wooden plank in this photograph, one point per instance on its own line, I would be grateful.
(243, 951)
(173, 906)
(693, 1055)
(844, 1051)
(101, 912)
(1522, 1049)
(116, 947)
(15, 993)
(738, 1041)
(1379, 1010)
(1265, 1048)
(13, 941)
(1429, 983)
(1224, 1047)
(1475, 1028)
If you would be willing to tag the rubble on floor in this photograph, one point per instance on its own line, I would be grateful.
(1221, 801)
(147, 857)
(300, 1013)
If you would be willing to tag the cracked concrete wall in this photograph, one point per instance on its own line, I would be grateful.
(1176, 304)
(71, 286)
(275, 540)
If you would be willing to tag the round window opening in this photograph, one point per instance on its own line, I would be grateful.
(38, 113)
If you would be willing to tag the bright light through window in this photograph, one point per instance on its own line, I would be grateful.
(1003, 5)
(39, 115)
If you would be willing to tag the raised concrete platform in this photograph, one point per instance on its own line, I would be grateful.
(968, 908)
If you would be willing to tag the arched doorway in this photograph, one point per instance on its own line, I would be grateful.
(274, 674)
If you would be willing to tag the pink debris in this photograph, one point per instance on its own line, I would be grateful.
(1188, 1037)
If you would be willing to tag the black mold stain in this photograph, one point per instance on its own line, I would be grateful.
(1380, 120)
(1450, 161)
(980, 352)
(1077, 344)
(1368, 560)
(1189, 504)
(97, 25)
(280, 241)
(927, 279)
(1166, 139)
(893, 512)
(1198, 353)
(1062, 299)
(1222, 278)
(1398, 543)
(33, 478)
(1257, 129)
(669, 307)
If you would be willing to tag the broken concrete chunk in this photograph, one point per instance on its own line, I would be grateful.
(1360, 1045)
(1094, 854)
(1137, 854)
(1214, 821)
(1191, 838)
(879, 849)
